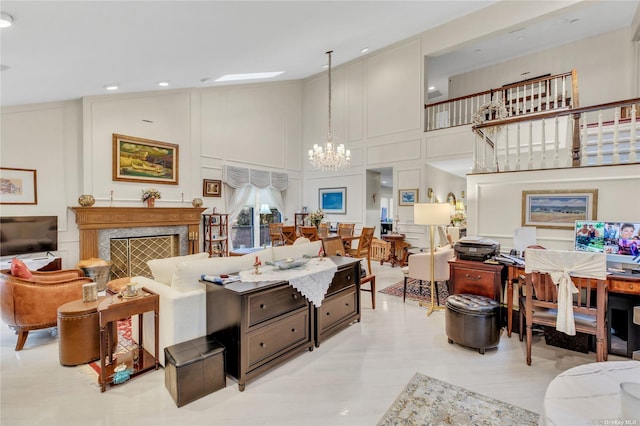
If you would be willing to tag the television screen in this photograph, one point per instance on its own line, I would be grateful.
(619, 240)
(28, 234)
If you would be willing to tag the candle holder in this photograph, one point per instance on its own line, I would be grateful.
(256, 266)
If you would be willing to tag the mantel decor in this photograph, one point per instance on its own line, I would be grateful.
(144, 160)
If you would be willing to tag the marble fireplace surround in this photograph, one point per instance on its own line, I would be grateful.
(93, 221)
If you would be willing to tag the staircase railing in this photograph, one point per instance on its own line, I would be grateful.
(532, 96)
(596, 135)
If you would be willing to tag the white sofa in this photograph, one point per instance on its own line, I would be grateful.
(183, 313)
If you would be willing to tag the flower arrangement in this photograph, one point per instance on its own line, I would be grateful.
(317, 216)
(458, 217)
(150, 193)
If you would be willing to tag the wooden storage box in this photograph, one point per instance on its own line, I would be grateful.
(193, 369)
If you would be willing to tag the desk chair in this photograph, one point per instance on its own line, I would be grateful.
(575, 304)
(333, 246)
(288, 234)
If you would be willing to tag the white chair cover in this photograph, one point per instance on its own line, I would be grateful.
(561, 265)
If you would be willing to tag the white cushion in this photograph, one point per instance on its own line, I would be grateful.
(187, 274)
(283, 252)
(162, 269)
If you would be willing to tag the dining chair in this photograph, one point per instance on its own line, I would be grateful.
(288, 234)
(566, 290)
(363, 250)
(333, 246)
(310, 232)
(346, 230)
(419, 268)
(275, 234)
(323, 230)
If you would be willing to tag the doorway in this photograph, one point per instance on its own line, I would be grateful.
(380, 202)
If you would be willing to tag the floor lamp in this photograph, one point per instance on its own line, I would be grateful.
(432, 214)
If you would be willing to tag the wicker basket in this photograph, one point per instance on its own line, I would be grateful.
(100, 274)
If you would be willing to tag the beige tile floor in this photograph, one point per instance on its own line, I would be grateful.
(350, 380)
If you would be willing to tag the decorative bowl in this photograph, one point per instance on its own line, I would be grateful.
(290, 263)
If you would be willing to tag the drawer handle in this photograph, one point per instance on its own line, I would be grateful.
(293, 330)
(476, 278)
(630, 286)
(346, 304)
(263, 345)
(263, 306)
(294, 296)
(328, 313)
(348, 277)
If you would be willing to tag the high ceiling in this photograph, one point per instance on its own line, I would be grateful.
(59, 50)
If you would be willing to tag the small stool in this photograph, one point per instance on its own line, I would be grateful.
(79, 332)
(193, 369)
(473, 321)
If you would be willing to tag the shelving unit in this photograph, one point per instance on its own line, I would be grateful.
(216, 234)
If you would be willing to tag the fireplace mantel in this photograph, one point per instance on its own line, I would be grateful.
(91, 219)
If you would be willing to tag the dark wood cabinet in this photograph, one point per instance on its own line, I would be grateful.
(473, 277)
(263, 324)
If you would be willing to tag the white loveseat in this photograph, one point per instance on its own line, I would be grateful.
(183, 313)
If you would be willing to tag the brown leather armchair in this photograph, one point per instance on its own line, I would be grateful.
(32, 304)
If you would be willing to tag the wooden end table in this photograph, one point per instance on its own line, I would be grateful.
(392, 257)
(114, 308)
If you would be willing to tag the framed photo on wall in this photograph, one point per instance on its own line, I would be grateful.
(18, 186)
(333, 200)
(211, 188)
(407, 197)
(144, 160)
(558, 208)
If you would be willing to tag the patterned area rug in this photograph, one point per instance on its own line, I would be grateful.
(125, 343)
(427, 401)
(413, 291)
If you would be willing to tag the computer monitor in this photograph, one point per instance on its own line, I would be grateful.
(620, 240)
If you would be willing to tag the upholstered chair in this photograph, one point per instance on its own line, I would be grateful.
(419, 268)
(32, 304)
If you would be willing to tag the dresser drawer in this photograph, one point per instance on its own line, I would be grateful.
(336, 309)
(623, 286)
(265, 342)
(342, 279)
(474, 281)
(272, 303)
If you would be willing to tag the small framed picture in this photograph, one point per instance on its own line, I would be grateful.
(18, 186)
(333, 200)
(407, 197)
(211, 188)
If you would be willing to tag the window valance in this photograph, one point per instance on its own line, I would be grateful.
(239, 177)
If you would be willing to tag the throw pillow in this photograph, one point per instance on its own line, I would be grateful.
(162, 269)
(20, 270)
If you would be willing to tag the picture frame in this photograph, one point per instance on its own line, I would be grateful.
(18, 186)
(407, 197)
(211, 188)
(333, 200)
(144, 160)
(558, 209)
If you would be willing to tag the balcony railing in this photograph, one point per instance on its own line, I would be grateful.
(596, 135)
(557, 92)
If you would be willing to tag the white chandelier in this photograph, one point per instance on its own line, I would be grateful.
(331, 156)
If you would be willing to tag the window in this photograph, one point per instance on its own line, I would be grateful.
(252, 225)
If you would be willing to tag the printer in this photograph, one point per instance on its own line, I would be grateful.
(476, 248)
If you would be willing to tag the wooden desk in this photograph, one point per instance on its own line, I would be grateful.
(624, 284)
(473, 277)
(114, 308)
(393, 258)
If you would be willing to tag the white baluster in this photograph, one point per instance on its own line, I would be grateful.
(584, 159)
(547, 88)
(476, 142)
(506, 148)
(599, 143)
(539, 107)
(555, 94)
(633, 136)
(543, 145)
(616, 136)
(564, 91)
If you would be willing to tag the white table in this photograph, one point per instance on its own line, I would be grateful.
(588, 394)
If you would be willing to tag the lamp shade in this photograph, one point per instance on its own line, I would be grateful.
(264, 209)
(431, 213)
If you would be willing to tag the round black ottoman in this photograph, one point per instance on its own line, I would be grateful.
(473, 321)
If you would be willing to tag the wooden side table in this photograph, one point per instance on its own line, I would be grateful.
(393, 258)
(110, 310)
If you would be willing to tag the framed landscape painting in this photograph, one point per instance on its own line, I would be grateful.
(18, 186)
(407, 197)
(558, 209)
(144, 160)
(333, 200)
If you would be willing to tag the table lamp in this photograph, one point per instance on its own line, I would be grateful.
(432, 214)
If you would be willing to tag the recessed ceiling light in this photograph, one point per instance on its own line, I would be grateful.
(573, 21)
(432, 88)
(364, 50)
(477, 51)
(325, 66)
(112, 86)
(205, 79)
(163, 83)
(249, 76)
(6, 20)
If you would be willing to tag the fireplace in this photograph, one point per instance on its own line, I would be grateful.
(99, 225)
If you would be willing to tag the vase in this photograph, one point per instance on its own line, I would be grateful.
(151, 202)
(86, 200)
(315, 223)
(197, 202)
